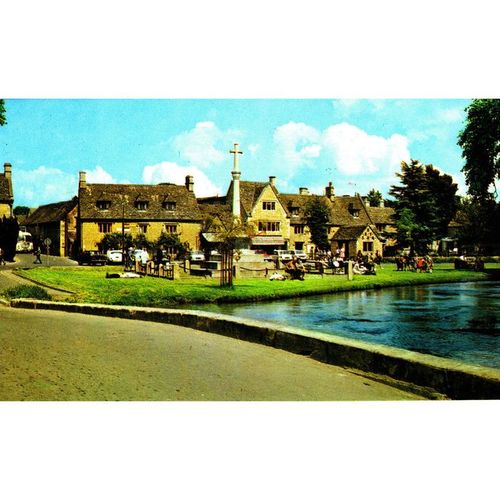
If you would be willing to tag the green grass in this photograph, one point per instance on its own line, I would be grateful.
(90, 285)
(27, 292)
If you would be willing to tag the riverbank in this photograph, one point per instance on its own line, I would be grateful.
(91, 286)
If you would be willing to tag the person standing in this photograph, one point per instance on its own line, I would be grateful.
(2, 259)
(38, 255)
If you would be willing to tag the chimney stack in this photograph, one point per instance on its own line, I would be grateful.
(82, 180)
(303, 190)
(272, 180)
(367, 202)
(330, 191)
(382, 203)
(189, 183)
(7, 168)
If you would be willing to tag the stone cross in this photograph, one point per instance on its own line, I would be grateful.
(235, 152)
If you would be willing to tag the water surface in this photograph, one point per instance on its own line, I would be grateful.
(458, 320)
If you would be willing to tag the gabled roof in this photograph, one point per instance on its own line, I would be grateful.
(343, 209)
(249, 193)
(350, 233)
(124, 196)
(381, 215)
(54, 212)
(6, 195)
(299, 203)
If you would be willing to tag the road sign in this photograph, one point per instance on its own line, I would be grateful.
(47, 242)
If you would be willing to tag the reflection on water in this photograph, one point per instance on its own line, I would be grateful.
(457, 321)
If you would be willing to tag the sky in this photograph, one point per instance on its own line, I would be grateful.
(357, 144)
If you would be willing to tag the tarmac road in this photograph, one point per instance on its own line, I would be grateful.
(53, 355)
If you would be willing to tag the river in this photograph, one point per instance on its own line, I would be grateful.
(458, 321)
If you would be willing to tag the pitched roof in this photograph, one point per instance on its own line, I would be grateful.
(345, 208)
(6, 194)
(249, 193)
(298, 203)
(53, 212)
(381, 215)
(352, 233)
(123, 198)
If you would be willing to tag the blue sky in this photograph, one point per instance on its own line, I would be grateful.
(357, 144)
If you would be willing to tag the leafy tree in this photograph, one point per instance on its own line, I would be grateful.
(173, 244)
(374, 198)
(115, 241)
(3, 120)
(317, 215)
(480, 143)
(21, 210)
(425, 204)
(479, 225)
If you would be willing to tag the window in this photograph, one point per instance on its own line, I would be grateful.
(294, 211)
(141, 205)
(268, 205)
(170, 228)
(104, 227)
(143, 228)
(103, 204)
(169, 205)
(298, 229)
(355, 213)
(269, 227)
(367, 246)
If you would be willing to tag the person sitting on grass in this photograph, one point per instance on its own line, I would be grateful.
(295, 269)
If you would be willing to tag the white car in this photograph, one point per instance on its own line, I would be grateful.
(196, 255)
(284, 254)
(141, 255)
(300, 254)
(114, 256)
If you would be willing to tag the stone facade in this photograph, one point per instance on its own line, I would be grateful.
(137, 209)
(56, 221)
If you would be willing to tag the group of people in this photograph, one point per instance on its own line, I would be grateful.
(417, 264)
(366, 264)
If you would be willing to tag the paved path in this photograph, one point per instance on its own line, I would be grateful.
(52, 355)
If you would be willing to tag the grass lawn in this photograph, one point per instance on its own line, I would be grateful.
(90, 285)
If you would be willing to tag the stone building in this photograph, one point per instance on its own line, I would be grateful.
(136, 209)
(6, 191)
(56, 221)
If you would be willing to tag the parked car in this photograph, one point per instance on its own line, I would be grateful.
(114, 256)
(283, 254)
(196, 255)
(299, 254)
(141, 255)
(92, 258)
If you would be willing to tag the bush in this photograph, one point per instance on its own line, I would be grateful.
(27, 292)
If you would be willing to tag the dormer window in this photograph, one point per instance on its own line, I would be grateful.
(169, 205)
(294, 211)
(142, 205)
(103, 204)
(355, 213)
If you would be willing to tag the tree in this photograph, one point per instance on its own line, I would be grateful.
(173, 244)
(479, 225)
(115, 241)
(317, 215)
(480, 143)
(3, 120)
(425, 204)
(21, 210)
(374, 198)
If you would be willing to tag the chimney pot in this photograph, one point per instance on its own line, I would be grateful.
(7, 168)
(189, 183)
(82, 180)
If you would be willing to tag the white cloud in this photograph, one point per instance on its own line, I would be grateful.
(296, 144)
(99, 176)
(171, 172)
(205, 145)
(43, 185)
(356, 152)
